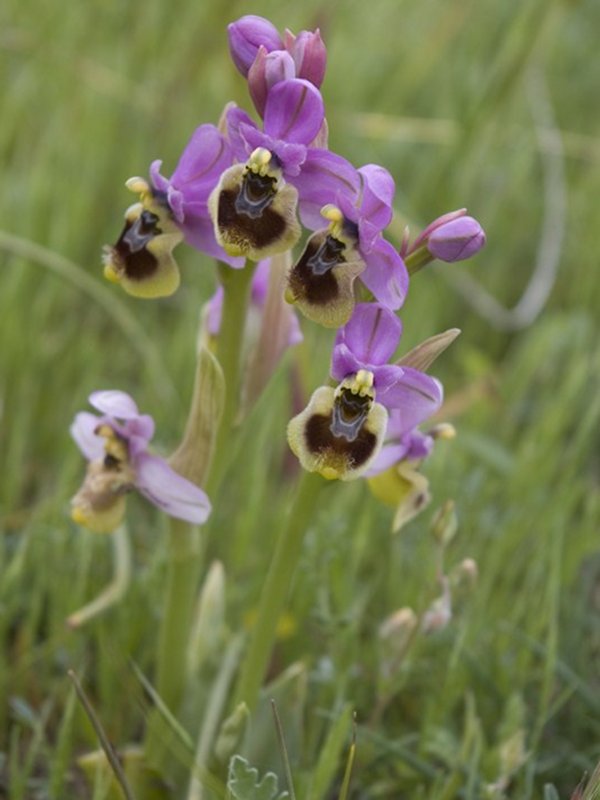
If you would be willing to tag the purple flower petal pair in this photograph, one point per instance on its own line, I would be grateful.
(385, 274)
(358, 204)
(206, 156)
(294, 113)
(116, 445)
(367, 342)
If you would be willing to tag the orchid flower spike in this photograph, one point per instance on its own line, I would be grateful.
(116, 447)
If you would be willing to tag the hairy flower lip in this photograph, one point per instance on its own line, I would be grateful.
(320, 447)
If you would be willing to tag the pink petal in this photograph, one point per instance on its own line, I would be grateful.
(385, 275)
(82, 431)
(115, 404)
(372, 333)
(169, 491)
(294, 111)
(377, 195)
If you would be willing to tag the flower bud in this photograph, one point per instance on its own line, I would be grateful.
(395, 635)
(309, 54)
(443, 430)
(445, 523)
(267, 70)
(456, 240)
(439, 614)
(246, 35)
(232, 733)
(468, 569)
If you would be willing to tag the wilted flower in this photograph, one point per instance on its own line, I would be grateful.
(116, 446)
(321, 281)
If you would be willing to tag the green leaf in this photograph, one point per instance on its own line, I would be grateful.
(243, 783)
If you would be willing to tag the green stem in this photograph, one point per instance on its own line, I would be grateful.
(275, 590)
(184, 551)
(236, 290)
(184, 555)
(417, 260)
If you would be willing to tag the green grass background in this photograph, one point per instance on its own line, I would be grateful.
(443, 94)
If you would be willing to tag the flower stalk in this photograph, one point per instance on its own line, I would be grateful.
(183, 571)
(276, 588)
(236, 291)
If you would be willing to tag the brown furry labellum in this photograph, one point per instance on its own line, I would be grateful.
(254, 210)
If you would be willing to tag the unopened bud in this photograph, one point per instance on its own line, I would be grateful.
(456, 240)
(309, 54)
(438, 615)
(451, 237)
(246, 35)
(444, 430)
(267, 70)
(469, 569)
(395, 635)
(231, 733)
(445, 523)
(207, 631)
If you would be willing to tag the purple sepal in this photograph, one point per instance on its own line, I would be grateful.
(325, 178)
(246, 35)
(205, 157)
(169, 491)
(411, 446)
(386, 275)
(83, 431)
(416, 394)
(294, 111)
(114, 403)
(371, 334)
(378, 191)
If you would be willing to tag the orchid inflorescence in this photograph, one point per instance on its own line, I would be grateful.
(242, 192)
(245, 192)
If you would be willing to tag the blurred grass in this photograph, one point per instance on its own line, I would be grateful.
(91, 95)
